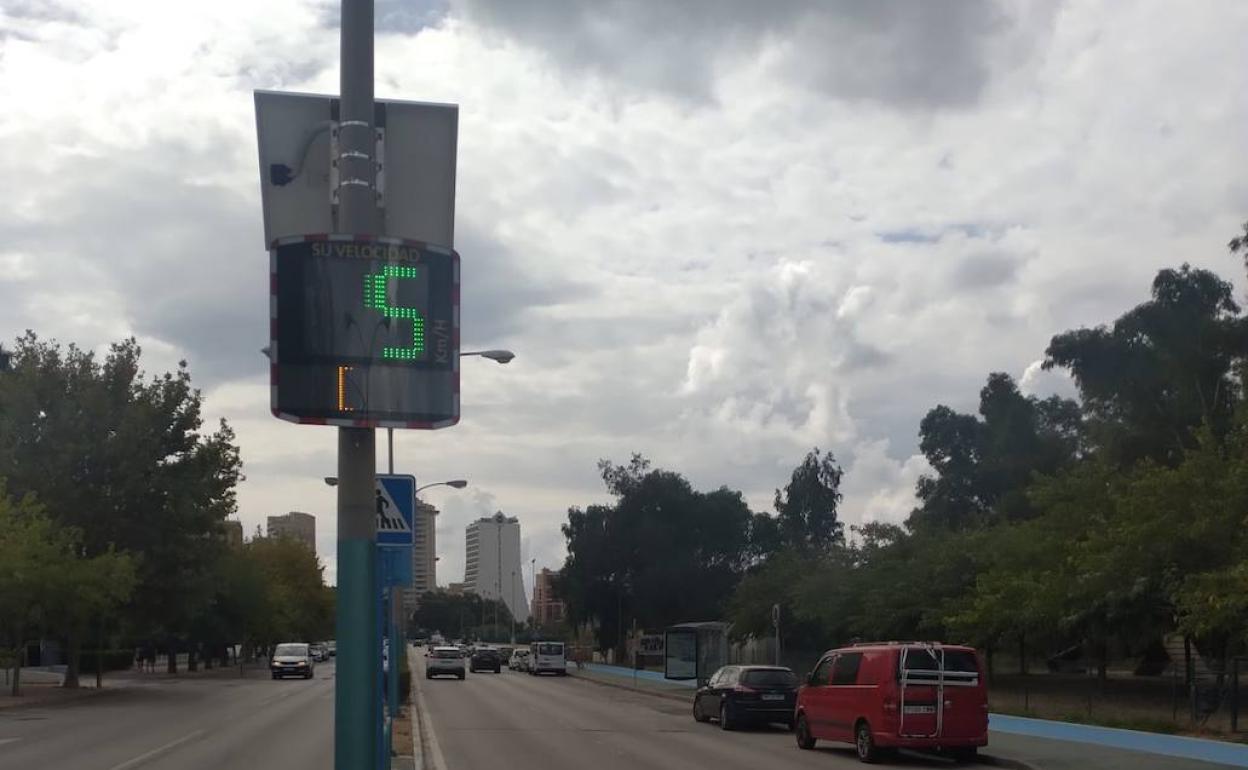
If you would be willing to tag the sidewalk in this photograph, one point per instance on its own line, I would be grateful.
(651, 682)
(48, 694)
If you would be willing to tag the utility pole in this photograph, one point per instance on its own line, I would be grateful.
(357, 701)
(397, 636)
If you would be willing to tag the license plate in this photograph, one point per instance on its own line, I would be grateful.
(919, 710)
(773, 696)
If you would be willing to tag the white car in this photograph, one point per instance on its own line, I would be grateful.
(519, 660)
(445, 661)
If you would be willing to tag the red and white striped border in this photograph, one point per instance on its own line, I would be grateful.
(345, 423)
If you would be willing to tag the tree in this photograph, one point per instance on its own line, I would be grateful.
(1161, 370)
(461, 615)
(624, 559)
(952, 498)
(298, 601)
(1240, 242)
(807, 508)
(120, 458)
(984, 465)
(46, 583)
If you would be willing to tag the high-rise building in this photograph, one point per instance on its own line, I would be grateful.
(424, 556)
(297, 525)
(548, 609)
(492, 569)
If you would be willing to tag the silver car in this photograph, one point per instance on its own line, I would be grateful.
(292, 659)
(444, 661)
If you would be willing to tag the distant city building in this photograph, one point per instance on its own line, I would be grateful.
(548, 609)
(455, 589)
(233, 533)
(492, 569)
(296, 525)
(424, 556)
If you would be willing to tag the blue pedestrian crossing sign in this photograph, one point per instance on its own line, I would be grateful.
(396, 510)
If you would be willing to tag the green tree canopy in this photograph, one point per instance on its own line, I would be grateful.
(982, 466)
(807, 507)
(1160, 371)
(624, 559)
(120, 458)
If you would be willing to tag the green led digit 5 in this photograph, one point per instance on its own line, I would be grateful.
(375, 297)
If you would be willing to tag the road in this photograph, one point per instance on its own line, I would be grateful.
(564, 723)
(204, 723)
(508, 720)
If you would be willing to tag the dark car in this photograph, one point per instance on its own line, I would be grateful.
(739, 695)
(485, 659)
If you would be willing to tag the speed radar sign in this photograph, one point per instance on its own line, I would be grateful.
(365, 332)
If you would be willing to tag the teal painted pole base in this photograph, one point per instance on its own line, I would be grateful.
(356, 698)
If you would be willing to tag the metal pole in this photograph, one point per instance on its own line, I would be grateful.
(357, 703)
(396, 596)
(390, 450)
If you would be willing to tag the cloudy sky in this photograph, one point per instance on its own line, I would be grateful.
(717, 232)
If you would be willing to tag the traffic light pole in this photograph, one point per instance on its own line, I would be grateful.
(357, 701)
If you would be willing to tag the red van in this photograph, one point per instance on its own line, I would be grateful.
(885, 695)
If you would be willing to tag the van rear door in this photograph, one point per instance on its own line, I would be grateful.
(941, 693)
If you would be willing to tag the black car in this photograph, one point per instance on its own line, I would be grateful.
(485, 659)
(738, 695)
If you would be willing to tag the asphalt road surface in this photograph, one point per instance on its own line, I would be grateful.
(518, 721)
(209, 723)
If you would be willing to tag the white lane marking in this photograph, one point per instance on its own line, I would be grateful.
(433, 758)
(8, 740)
(140, 759)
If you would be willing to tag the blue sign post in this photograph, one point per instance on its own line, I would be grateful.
(395, 498)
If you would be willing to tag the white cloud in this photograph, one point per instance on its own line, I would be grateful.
(718, 266)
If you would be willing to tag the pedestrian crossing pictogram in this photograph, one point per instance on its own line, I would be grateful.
(395, 502)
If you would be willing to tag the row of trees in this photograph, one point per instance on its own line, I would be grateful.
(665, 552)
(111, 516)
(461, 616)
(1103, 522)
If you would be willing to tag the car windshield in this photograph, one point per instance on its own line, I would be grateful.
(291, 650)
(769, 678)
(550, 648)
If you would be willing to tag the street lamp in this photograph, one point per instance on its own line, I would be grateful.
(501, 356)
(456, 483)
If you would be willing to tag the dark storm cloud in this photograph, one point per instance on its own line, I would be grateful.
(899, 52)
